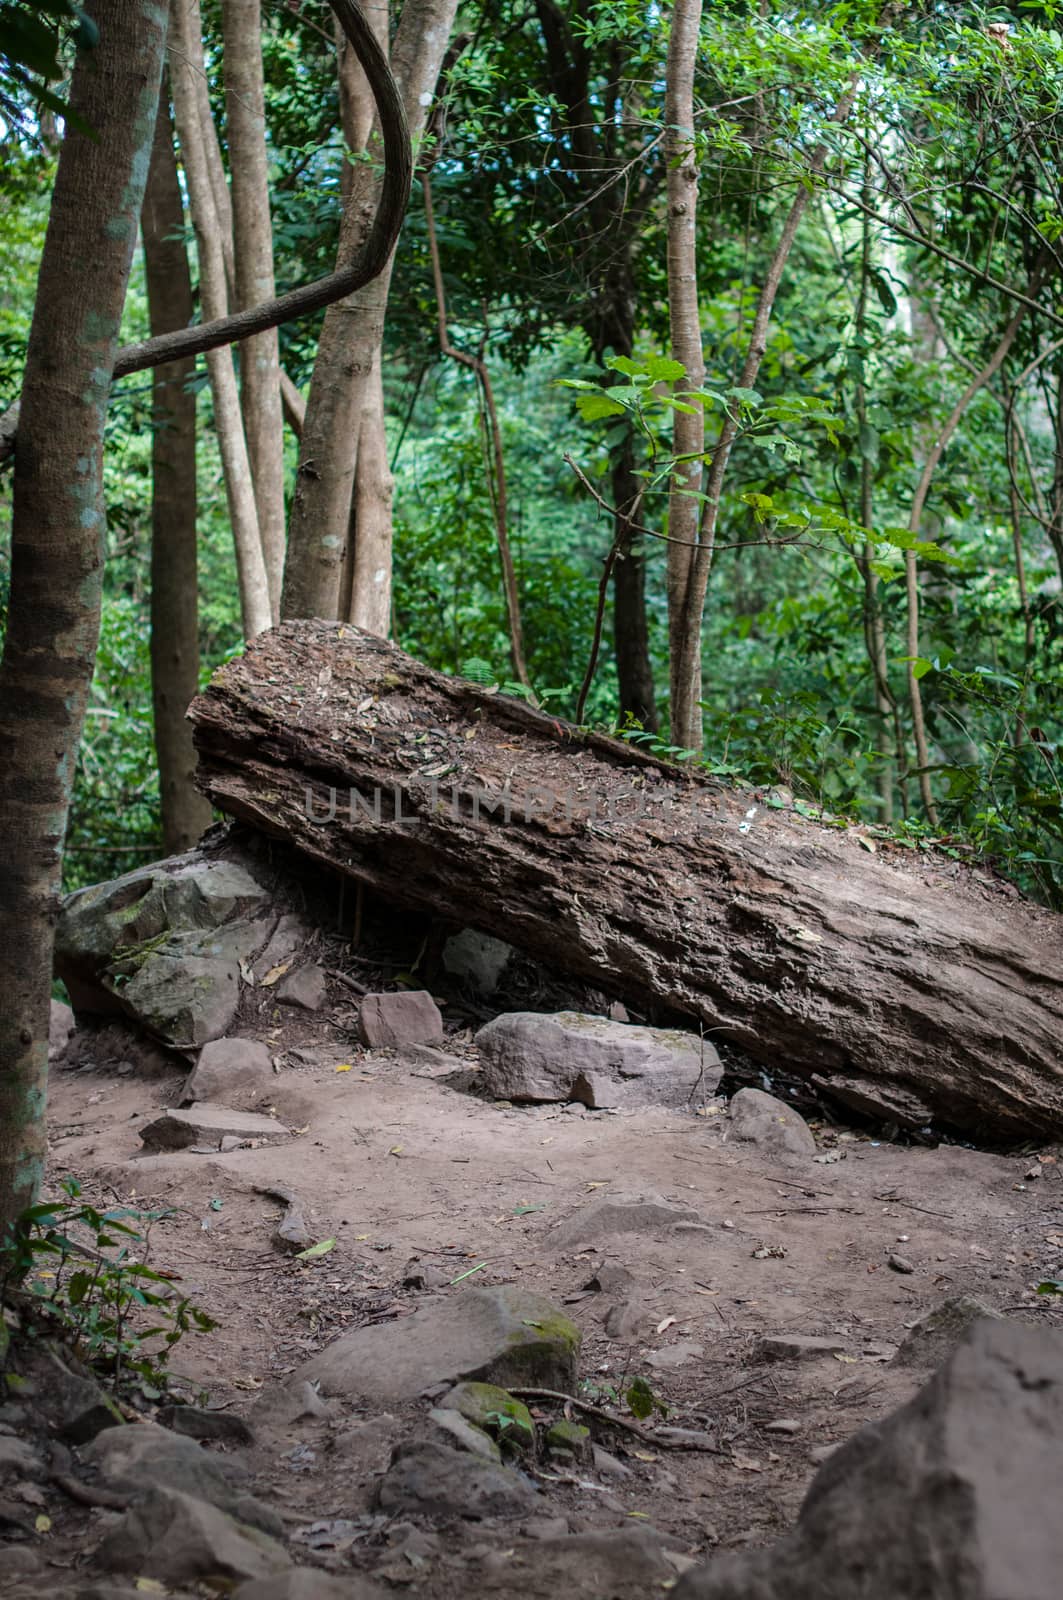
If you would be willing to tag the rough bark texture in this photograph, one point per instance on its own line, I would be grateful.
(368, 602)
(911, 986)
(186, 72)
(688, 428)
(350, 343)
(260, 392)
(57, 538)
(174, 587)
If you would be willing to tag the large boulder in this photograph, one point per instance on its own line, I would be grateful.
(176, 1539)
(502, 1335)
(536, 1056)
(953, 1497)
(164, 945)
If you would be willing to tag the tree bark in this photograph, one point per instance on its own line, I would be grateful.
(350, 343)
(260, 391)
(631, 634)
(913, 987)
(369, 600)
(57, 538)
(174, 585)
(357, 109)
(688, 429)
(186, 70)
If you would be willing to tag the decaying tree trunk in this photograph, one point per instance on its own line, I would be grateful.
(910, 986)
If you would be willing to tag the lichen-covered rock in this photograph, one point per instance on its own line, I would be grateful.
(503, 1335)
(570, 1436)
(528, 1056)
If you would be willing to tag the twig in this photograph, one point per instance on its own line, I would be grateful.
(616, 1422)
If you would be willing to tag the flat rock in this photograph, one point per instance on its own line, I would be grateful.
(773, 1126)
(613, 1564)
(394, 1020)
(196, 1422)
(306, 987)
(529, 1057)
(181, 1540)
(636, 1213)
(674, 1355)
(935, 1336)
(228, 1069)
(207, 1124)
(501, 1335)
(306, 1583)
(435, 1481)
(956, 1494)
(796, 1347)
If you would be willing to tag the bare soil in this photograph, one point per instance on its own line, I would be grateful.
(421, 1180)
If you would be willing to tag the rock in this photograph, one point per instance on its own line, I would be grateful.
(545, 1528)
(796, 1347)
(287, 940)
(611, 1279)
(144, 1455)
(306, 987)
(20, 1561)
(163, 944)
(570, 1436)
(295, 1402)
(495, 1410)
(772, 1125)
(626, 1320)
(609, 1464)
(394, 1020)
(528, 1056)
(462, 1435)
(478, 958)
(61, 1024)
(19, 1460)
(428, 1061)
(674, 1355)
(306, 1583)
(900, 1263)
(612, 1564)
(955, 1494)
(293, 1232)
(228, 1070)
(207, 1125)
(888, 1102)
(76, 1404)
(501, 1335)
(935, 1336)
(197, 1423)
(785, 1426)
(180, 1540)
(637, 1213)
(435, 1481)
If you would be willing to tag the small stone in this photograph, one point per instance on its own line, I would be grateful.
(674, 1355)
(787, 1426)
(18, 1459)
(822, 1452)
(545, 1528)
(180, 1540)
(307, 1583)
(636, 1213)
(796, 1347)
(434, 1481)
(462, 1434)
(899, 1263)
(609, 1464)
(198, 1423)
(570, 1436)
(61, 1024)
(394, 1020)
(206, 1124)
(307, 987)
(935, 1336)
(228, 1069)
(477, 957)
(495, 1410)
(771, 1124)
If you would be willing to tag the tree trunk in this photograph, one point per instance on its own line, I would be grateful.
(260, 391)
(174, 586)
(57, 538)
(911, 986)
(357, 110)
(368, 602)
(631, 634)
(350, 343)
(186, 69)
(688, 429)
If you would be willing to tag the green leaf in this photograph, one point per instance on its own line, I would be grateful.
(320, 1249)
(662, 369)
(592, 407)
(869, 443)
(887, 299)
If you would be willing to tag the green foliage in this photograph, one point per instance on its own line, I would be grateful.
(642, 1401)
(86, 1272)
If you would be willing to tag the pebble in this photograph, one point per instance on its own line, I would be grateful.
(786, 1425)
(899, 1263)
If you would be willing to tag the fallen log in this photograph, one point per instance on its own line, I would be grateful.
(905, 983)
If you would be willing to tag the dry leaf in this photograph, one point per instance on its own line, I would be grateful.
(644, 1455)
(668, 1322)
(42, 1523)
(396, 1150)
(345, 1066)
(274, 973)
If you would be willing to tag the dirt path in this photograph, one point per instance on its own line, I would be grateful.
(429, 1189)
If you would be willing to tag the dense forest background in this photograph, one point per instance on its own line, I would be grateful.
(914, 352)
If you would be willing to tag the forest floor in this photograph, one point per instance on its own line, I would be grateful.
(430, 1189)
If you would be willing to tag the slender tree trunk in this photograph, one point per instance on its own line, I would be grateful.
(174, 588)
(915, 519)
(350, 343)
(686, 712)
(369, 600)
(688, 436)
(631, 634)
(357, 111)
(260, 391)
(186, 67)
(58, 538)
